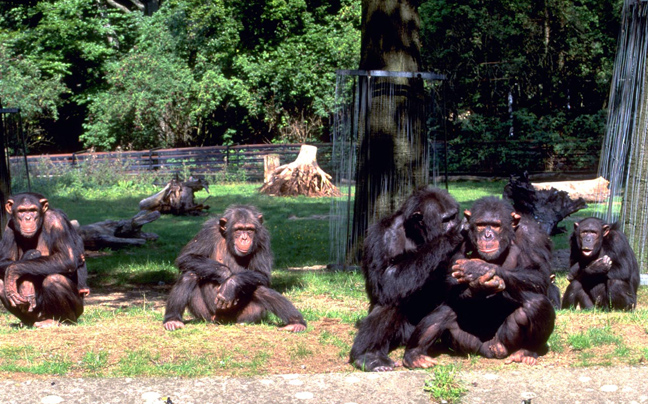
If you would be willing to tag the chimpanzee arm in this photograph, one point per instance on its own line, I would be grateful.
(574, 272)
(532, 277)
(623, 265)
(412, 271)
(8, 251)
(62, 256)
(204, 267)
(244, 282)
(196, 256)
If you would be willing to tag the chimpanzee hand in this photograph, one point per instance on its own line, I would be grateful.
(478, 274)
(11, 289)
(600, 266)
(226, 295)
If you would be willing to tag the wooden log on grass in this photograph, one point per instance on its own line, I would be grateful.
(177, 198)
(595, 190)
(301, 177)
(117, 234)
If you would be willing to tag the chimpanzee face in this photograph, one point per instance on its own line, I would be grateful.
(240, 234)
(27, 212)
(486, 236)
(243, 238)
(590, 234)
(491, 227)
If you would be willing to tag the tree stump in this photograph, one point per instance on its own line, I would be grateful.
(117, 233)
(301, 177)
(547, 206)
(177, 198)
(270, 163)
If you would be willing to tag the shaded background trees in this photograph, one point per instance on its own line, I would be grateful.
(111, 73)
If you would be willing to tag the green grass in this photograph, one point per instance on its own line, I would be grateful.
(126, 340)
(444, 385)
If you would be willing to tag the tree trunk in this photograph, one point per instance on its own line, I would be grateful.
(393, 157)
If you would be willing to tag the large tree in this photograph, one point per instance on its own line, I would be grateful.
(393, 158)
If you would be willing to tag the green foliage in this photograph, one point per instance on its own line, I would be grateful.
(148, 101)
(445, 385)
(24, 85)
(522, 71)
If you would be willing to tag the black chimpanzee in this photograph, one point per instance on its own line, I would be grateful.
(498, 306)
(225, 275)
(405, 262)
(42, 265)
(603, 268)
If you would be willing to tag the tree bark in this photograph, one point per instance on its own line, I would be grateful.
(270, 163)
(393, 157)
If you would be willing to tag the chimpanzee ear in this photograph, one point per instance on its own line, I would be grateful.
(260, 218)
(8, 206)
(467, 214)
(516, 219)
(223, 225)
(575, 225)
(606, 230)
(44, 204)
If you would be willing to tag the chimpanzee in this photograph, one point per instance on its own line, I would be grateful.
(225, 274)
(498, 306)
(42, 266)
(406, 257)
(603, 268)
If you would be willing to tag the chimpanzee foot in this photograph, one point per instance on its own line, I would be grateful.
(375, 363)
(419, 361)
(523, 356)
(173, 325)
(49, 323)
(297, 327)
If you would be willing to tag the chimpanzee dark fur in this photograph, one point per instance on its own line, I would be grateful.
(225, 274)
(405, 263)
(603, 268)
(498, 306)
(43, 272)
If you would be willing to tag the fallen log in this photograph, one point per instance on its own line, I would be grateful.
(301, 177)
(546, 206)
(177, 198)
(117, 234)
(595, 190)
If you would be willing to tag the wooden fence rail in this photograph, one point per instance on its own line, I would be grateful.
(195, 160)
(479, 159)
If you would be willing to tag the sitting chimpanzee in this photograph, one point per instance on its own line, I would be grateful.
(498, 306)
(225, 275)
(604, 271)
(42, 266)
(405, 263)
